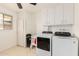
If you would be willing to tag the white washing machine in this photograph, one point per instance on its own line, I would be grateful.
(64, 46)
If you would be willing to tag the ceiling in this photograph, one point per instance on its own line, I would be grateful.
(26, 6)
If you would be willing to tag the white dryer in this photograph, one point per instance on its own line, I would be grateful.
(44, 42)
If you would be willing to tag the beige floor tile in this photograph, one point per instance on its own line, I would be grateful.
(18, 51)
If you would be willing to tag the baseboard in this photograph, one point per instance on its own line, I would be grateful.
(19, 45)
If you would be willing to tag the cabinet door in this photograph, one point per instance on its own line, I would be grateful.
(68, 13)
(39, 22)
(42, 20)
(58, 14)
(44, 16)
(51, 16)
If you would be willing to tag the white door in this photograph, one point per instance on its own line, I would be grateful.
(58, 14)
(21, 29)
(65, 47)
(21, 32)
(68, 13)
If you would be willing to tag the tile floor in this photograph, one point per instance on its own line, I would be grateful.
(18, 51)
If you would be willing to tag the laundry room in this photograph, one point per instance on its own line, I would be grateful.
(39, 29)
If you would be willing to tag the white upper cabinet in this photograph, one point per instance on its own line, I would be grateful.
(47, 16)
(51, 16)
(44, 16)
(42, 19)
(58, 14)
(68, 13)
(64, 14)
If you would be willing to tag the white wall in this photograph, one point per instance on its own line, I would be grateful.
(64, 28)
(8, 38)
(76, 21)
